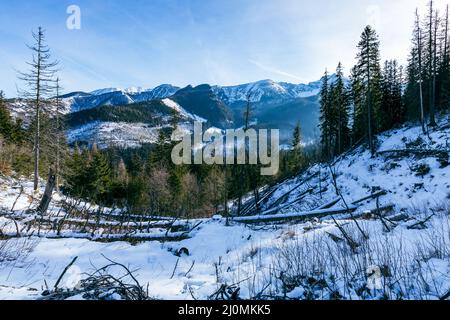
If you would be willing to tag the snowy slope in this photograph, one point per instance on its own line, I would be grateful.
(308, 259)
(116, 96)
(181, 111)
(266, 90)
(358, 175)
(118, 134)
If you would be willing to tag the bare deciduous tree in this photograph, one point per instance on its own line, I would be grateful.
(40, 85)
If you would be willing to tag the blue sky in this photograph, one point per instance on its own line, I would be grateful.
(149, 42)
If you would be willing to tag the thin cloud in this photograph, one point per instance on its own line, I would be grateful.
(276, 71)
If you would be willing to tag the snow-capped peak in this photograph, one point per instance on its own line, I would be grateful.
(104, 91)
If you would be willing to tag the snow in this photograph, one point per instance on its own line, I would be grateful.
(253, 256)
(115, 134)
(175, 106)
(104, 91)
(268, 89)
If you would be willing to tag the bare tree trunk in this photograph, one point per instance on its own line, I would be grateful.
(431, 67)
(433, 106)
(419, 45)
(58, 140)
(369, 104)
(37, 133)
(39, 81)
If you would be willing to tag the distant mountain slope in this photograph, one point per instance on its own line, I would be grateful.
(79, 101)
(286, 115)
(150, 112)
(275, 105)
(266, 91)
(203, 102)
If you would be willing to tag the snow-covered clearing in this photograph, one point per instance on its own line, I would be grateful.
(405, 254)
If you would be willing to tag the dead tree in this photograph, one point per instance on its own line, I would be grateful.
(39, 82)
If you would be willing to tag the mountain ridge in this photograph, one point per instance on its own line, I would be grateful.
(275, 105)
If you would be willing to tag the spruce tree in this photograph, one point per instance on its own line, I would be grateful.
(297, 150)
(431, 27)
(416, 74)
(444, 69)
(392, 101)
(340, 105)
(366, 88)
(99, 175)
(76, 174)
(325, 116)
(6, 125)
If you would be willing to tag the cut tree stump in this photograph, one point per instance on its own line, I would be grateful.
(47, 197)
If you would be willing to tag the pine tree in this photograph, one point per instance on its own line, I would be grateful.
(366, 88)
(444, 69)
(325, 116)
(39, 81)
(392, 100)
(340, 105)
(296, 137)
(160, 155)
(76, 174)
(417, 105)
(296, 153)
(430, 26)
(99, 175)
(6, 125)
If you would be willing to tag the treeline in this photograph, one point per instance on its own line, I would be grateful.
(379, 96)
(17, 142)
(148, 112)
(142, 180)
(14, 151)
(145, 180)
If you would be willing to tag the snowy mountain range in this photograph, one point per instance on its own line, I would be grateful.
(78, 101)
(133, 116)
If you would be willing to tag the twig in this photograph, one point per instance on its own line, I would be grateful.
(175, 268)
(64, 272)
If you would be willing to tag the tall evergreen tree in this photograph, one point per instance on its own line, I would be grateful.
(444, 69)
(99, 175)
(6, 125)
(325, 116)
(430, 26)
(340, 101)
(296, 153)
(392, 101)
(366, 88)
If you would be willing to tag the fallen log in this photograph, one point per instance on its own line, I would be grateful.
(372, 196)
(380, 210)
(416, 152)
(298, 216)
(421, 224)
(329, 204)
(107, 238)
(287, 205)
(283, 197)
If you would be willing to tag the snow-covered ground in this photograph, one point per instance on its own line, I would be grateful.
(119, 134)
(405, 255)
